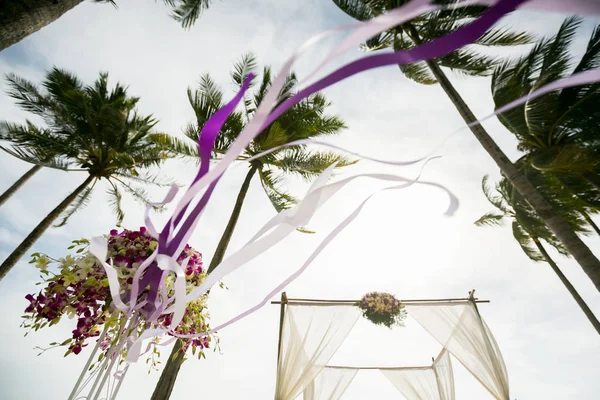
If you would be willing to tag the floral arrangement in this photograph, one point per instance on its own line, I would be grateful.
(80, 291)
(382, 309)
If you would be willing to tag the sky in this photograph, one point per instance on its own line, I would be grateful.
(401, 242)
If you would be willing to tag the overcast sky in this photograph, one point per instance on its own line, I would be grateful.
(400, 243)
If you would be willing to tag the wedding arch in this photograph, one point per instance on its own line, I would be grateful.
(311, 331)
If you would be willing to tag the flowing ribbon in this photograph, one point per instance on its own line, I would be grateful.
(178, 229)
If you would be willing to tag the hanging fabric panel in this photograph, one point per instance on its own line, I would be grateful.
(442, 367)
(459, 328)
(310, 337)
(330, 384)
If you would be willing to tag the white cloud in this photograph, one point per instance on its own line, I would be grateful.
(400, 242)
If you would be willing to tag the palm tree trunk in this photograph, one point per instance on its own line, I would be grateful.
(235, 215)
(562, 230)
(591, 223)
(582, 304)
(39, 230)
(17, 185)
(21, 18)
(166, 382)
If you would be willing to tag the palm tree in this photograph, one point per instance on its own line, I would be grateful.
(468, 61)
(89, 128)
(529, 230)
(21, 18)
(558, 131)
(305, 120)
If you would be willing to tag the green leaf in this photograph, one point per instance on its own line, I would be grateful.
(505, 37)
(490, 219)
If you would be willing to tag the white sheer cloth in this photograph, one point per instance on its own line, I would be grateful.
(414, 383)
(330, 384)
(425, 383)
(459, 328)
(442, 367)
(310, 337)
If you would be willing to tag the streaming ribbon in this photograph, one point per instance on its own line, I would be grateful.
(182, 223)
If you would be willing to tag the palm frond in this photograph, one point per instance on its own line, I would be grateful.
(309, 165)
(34, 137)
(469, 62)
(505, 37)
(114, 201)
(37, 157)
(149, 179)
(206, 100)
(525, 241)
(138, 194)
(27, 95)
(80, 203)
(418, 72)
(490, 219)
(187, 12)
(174, 146)
(242, 68)
(271, 184)
(556, 59)
(572, 96)
(357, 9)
(382, 41)
(496, 201)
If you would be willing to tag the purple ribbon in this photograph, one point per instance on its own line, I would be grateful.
(154, 276)
(436, 48)
(169, 245)
(427, 51)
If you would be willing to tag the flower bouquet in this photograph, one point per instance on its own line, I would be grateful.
(382, 309)
(80, 290)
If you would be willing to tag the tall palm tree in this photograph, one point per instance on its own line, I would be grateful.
(439, 23)
(92, 129)
(303, 121)
(21, 18)
(559, 131)
(529, 230)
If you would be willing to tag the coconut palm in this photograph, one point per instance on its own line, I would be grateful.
(21, 18)
(529, 231)
(559, 131)
(305, 120)
(468, 61)
(90, 129)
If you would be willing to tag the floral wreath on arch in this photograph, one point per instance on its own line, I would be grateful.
(382, 309)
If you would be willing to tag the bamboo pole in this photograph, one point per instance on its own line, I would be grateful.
(87, 365)
(352, 302)
(283, 302)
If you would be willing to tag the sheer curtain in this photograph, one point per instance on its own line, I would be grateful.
(460, 329)
(330, 384)
(310, 337)
(414, 383)
(442, 367)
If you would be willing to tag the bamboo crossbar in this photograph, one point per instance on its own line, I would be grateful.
(351, 302)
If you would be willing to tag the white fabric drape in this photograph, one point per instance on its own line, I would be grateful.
(330, 384)
(425, 383)
(414, 383)
(459, 328)
(442, 367)
(310, 337)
